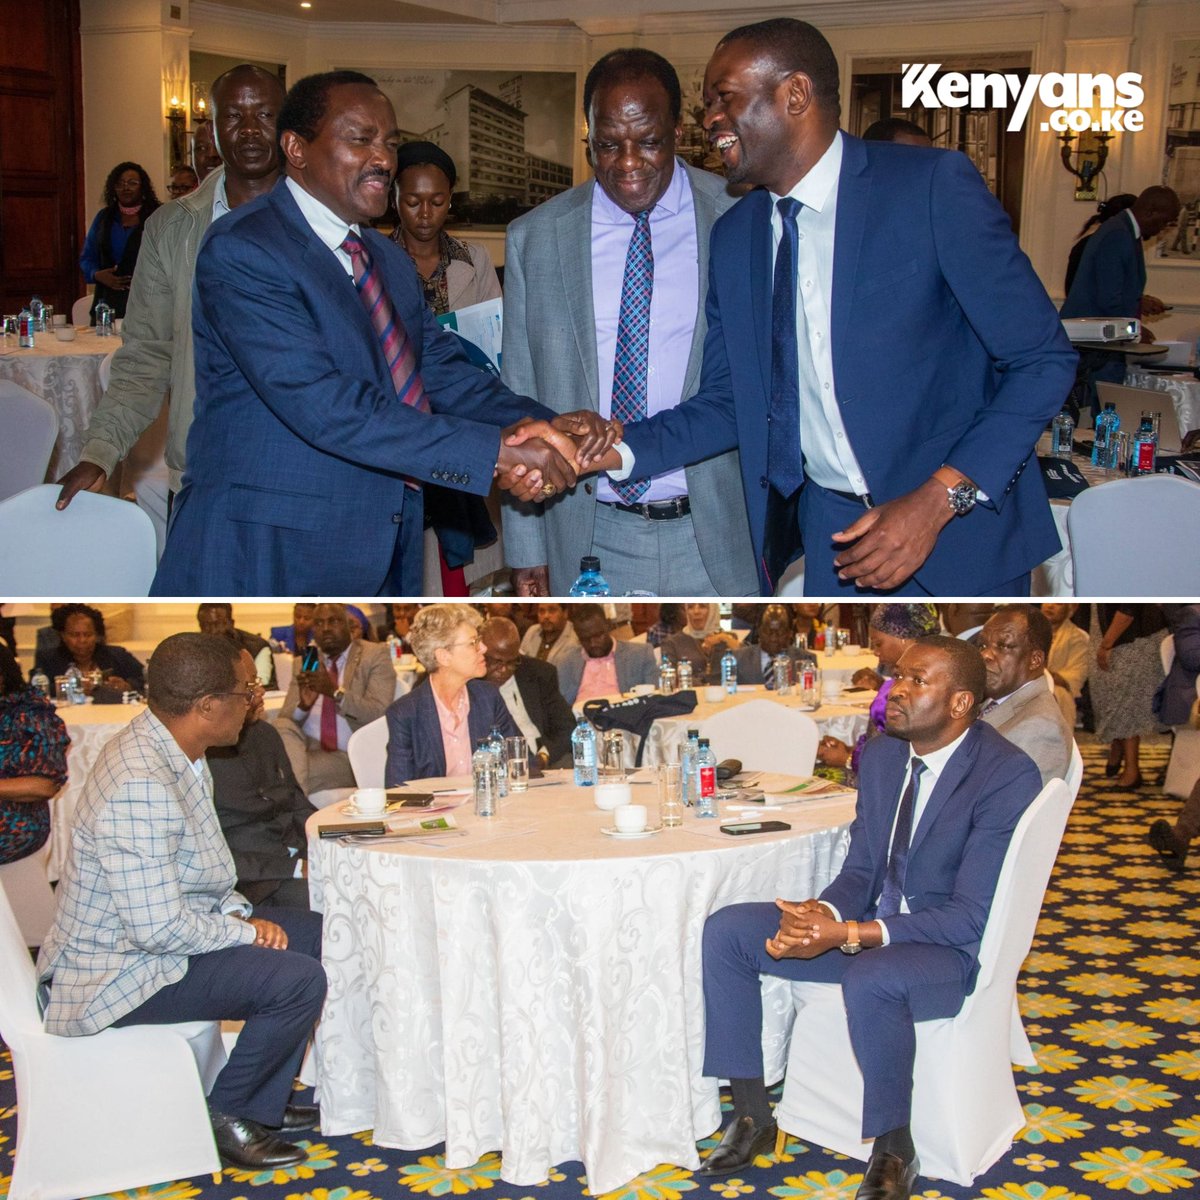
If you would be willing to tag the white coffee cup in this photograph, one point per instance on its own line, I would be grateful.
(713, 694)
(64, 333)
(59, 320)
(853, 648)
(369, 800)
(630, 818)
(610, 796)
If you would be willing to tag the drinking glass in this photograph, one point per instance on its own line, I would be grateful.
(670, 794)
(518, 764)
(612, 756)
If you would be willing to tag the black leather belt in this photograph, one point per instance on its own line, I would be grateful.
(656, 510)
(864, 499)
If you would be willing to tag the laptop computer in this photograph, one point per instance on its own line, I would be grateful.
(1131, 402)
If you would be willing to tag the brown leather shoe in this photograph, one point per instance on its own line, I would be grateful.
(888, 1177)
(740, 1145)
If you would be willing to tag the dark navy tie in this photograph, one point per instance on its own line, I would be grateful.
(633, 341)
(783, 431)
(893, 883)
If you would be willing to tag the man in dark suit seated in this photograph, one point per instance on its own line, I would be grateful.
(938, 800)
(262, 810)
(217, 619)
(756, 663)
(529, 690)
(603, 666)
(1014, 644)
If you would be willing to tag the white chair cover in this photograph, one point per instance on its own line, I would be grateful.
(30, 428)
(367, 749)
(27, 885)
(966, 1110)
(98, 547)
(1109, 527)
(81, 310)
(766, 737)
(121, 1109)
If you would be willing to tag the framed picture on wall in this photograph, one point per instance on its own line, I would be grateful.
(1181, 164)
(511, 135)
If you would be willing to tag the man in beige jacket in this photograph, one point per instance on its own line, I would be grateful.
(156, 355)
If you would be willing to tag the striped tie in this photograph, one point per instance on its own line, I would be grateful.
(633, 341)
(393, 337)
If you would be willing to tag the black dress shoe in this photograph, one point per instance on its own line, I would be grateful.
(300, 1116)
(1173, 850)
(888, 1177)
(741, 1144)
(245, 1143)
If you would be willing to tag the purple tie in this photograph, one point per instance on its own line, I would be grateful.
(633, 341)
(893, 882)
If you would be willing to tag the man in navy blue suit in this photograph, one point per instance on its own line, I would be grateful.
(885, 377)
(938, 801)
(326, 391)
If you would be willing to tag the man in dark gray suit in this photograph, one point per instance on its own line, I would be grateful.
(603, 666)
(1019, 701)
(604, 309)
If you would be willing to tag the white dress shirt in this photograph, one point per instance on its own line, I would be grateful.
(310, 722)
(325, 223)
(511, 695)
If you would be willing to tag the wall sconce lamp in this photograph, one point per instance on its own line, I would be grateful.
(177, 132)
(200, 101)
(1085, 161)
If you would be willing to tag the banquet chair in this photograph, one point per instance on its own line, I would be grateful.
(26, 882)
(367, 749)
(30, 430)
(99, 546)
(965, 1107)
(1108, 525)
(766, 736)
(81, 310)
(120, 1109)
(105, 370)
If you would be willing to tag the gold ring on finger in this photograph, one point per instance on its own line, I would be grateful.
(548, 489)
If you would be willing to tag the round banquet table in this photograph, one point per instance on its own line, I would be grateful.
(533, 986)
(67, 376)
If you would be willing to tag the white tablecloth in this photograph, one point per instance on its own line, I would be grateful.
(534, 987)
(67, 376)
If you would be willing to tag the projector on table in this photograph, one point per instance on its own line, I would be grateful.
(1103, 329)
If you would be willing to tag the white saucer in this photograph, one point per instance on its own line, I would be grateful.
(349, 809)
(613, 832)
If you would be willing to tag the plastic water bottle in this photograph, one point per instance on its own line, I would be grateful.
(496, 742)
(583, 753)
(74, 678)
(590, 581)
(729, 673)
(40, 682)
(706, 780)
(485, 776)
(1062, 429)
(25, 338)
(37, 310)
(782, 666)
(685, 674)
(687, 763)
(1104, 447)
(104, 319)
(667, 678)
(1145, 447)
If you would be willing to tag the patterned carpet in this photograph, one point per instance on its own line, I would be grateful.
(1110, 1002)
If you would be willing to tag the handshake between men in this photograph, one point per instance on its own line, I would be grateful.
(539, 459)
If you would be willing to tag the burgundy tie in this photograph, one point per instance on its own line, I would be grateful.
(329, 712)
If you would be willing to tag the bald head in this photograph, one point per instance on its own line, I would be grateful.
(501, 649)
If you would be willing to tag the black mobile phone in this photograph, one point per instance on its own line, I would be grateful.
(311, 660)
(359, 828)
(409, 799)
(742, 827)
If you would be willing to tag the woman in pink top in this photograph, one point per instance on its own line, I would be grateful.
(433, 730)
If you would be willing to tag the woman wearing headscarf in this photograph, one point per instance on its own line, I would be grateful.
(893, 628)
(115, 237)
(701, 642)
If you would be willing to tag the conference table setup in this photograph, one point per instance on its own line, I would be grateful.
(66, 374)
(531, 982)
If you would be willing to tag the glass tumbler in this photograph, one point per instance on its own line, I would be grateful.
(670, 794)
(518, 764)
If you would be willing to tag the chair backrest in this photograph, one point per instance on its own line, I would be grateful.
(81, 310)
(1166, 653)
(1108, 527)
(1021, 886)
(765, 736)
(18, 981)
(1075, 771)
(99, 546)
(1131, 402)
(105, 369)
(367, 750)
(30, 429)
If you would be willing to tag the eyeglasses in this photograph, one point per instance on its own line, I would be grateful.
(180, 189)
(247, 697)
(474, 644)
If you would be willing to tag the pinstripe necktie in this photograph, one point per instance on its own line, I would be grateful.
(893, 882)
(389, 329)
(633, 341)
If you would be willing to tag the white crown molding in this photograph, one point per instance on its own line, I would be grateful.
(110, 27)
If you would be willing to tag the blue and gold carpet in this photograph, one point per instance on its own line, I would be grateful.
(1109, 996)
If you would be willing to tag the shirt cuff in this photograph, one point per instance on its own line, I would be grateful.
(627, 461)
(237, 908)
(883, 929)
(832, 908)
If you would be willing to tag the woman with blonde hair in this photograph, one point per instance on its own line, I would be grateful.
(434, 729)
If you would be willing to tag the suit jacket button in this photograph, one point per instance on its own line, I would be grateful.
(466, 479)
(762, 482)
(395, 518)
(587, 487)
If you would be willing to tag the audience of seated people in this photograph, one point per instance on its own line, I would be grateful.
(108, 671)
(217, 619)
(602, 665)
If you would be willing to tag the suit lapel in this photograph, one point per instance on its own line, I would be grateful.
(352, 661)
(705, 211)
(573, 230)
(951, 777)
(854, 186)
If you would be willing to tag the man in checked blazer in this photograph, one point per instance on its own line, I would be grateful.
(149, 929)
(563, 287)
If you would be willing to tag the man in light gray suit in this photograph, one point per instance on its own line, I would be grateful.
(1015, 643)
(604, 309)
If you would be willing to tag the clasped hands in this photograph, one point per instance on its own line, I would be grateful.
(538, 459)
(806, 929)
